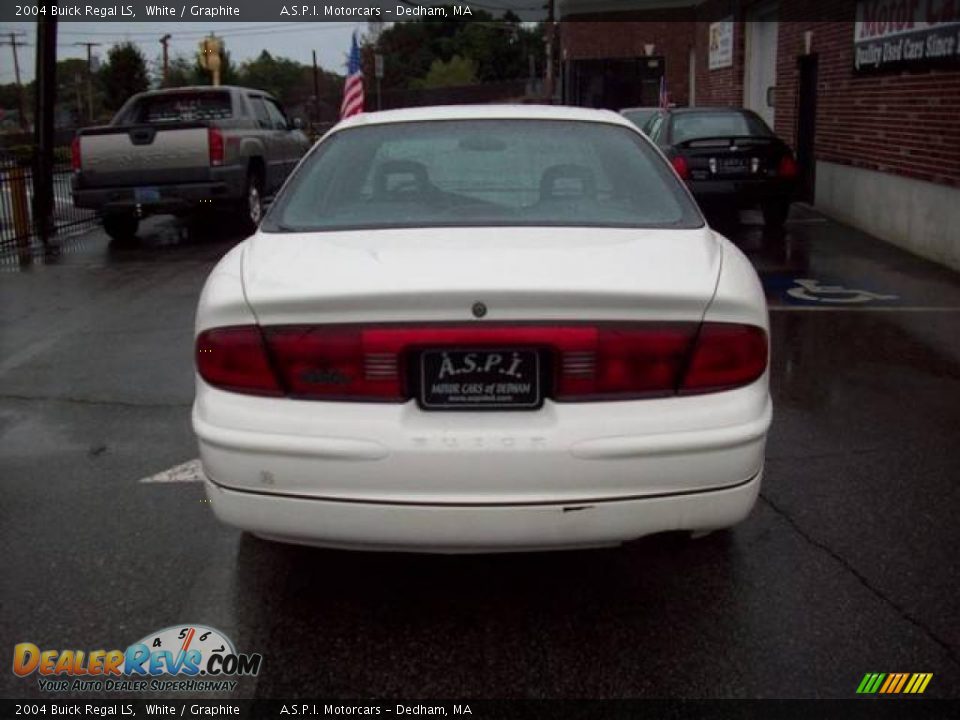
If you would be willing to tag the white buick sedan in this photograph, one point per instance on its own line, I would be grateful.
(475, 329)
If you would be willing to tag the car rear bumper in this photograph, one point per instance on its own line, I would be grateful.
(478, 528)
(395, 476)
(227, 184)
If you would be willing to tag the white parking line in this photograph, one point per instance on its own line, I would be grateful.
(187, 472)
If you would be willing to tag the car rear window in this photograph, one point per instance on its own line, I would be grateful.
(639, 117)
(481, 173)
(181, 107)
(692, 126)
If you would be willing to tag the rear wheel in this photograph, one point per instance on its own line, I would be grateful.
(122, 228)
(251, 205)
(775, 213)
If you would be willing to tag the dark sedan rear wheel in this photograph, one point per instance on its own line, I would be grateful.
(775, 213)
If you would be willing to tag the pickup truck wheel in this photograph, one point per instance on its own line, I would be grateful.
(121, 228)
(252, 204)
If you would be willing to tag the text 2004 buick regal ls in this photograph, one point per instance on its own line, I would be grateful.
(482, 329)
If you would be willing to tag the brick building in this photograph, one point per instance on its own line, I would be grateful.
(867, 92)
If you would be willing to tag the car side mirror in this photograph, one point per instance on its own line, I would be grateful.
(297, 124)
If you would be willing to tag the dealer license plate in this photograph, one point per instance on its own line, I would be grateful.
(471, 379)
(732, 166)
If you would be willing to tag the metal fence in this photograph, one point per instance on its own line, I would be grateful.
(18, 229)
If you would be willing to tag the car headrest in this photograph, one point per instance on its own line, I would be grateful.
(567, 180)
(413, 171)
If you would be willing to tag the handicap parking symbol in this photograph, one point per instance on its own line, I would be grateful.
(812, 291)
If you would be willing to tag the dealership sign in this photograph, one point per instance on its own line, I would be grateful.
(721, 44)
(906, 34)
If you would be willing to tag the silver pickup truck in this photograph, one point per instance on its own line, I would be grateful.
(185, 149)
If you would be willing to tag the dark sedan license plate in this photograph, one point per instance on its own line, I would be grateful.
(146, 194)
(476, 379)
(731, 166)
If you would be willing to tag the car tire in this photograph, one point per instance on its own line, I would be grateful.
(122, 228)
(775, 213)
(251, 204)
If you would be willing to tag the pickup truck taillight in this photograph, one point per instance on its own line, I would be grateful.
(215, 143)
(590, 361)
(75, 163)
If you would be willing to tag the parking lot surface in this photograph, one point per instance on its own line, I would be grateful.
(846, 566)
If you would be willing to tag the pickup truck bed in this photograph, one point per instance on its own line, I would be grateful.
(185, 149)
(158, 168)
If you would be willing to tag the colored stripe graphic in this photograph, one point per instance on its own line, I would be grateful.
(894, 683)
(891, 679)
(903, 681)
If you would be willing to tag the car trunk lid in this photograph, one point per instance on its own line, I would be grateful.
(438, 274)
(734, 157)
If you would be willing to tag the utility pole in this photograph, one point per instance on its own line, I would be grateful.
(89, 46)
(316, 90)
(76, 86)
(165, 41)
(44, 113)
(14, 43)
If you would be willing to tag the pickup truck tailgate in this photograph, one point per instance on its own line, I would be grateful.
(138, 155)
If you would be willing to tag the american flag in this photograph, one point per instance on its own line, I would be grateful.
(353, 89)
(664, 99)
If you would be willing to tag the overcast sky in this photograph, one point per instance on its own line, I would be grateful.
(243, 40)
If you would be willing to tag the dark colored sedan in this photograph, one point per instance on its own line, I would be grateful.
(639, 115)
(728, 157)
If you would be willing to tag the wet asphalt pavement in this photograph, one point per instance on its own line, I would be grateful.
(847, 565)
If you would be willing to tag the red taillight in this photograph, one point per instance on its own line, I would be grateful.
(75, 160)
(725, 356)
(787, 167)
(234, 358)
(215, 143)
(336, 362)
(590, 361)
(621, 361)
(682, 167)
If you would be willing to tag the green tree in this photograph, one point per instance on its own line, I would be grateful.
(123, 75)
(281, 77)
(10, 104)
(9, 96)
(179, 72)
(498, 48)
(72, 88)
(454, 72)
